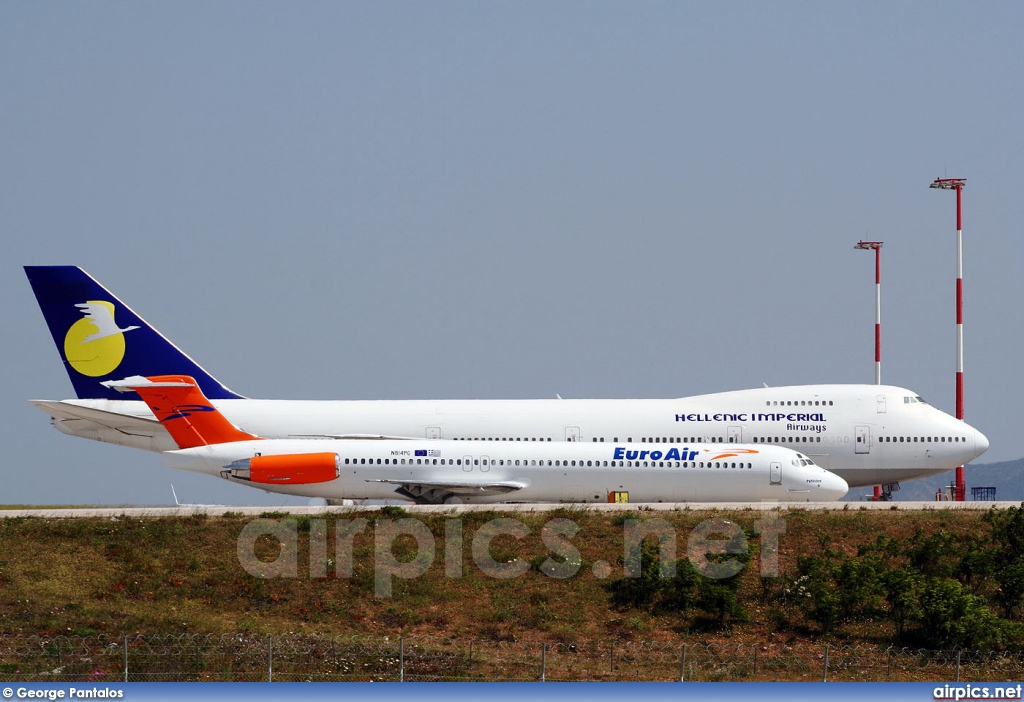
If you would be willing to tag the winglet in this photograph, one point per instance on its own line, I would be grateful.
(183, 410)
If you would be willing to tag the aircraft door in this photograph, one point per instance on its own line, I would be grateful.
(775, 476)
(735, 435)
(572, 433)
(862, 442)
(433, 432)
(467, 463)
(880, 403)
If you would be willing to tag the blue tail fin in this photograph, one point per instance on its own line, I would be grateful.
(99, 338)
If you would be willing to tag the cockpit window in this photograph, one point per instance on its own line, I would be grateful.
(916, 399)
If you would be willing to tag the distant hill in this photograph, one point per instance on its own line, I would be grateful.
(1007, 477)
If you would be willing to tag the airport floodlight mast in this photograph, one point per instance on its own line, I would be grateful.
(876, 246)
(957, 184)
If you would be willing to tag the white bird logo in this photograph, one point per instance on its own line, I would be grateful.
(101, 314)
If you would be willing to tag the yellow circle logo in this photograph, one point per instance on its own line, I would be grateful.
(94, 346)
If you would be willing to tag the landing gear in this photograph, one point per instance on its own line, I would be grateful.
(424, 495)
(887, 490)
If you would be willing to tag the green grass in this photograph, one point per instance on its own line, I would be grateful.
(182, 574)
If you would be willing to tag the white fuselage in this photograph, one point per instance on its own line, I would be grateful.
(866, 434)
(483, 471)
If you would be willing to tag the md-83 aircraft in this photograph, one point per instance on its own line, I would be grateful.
(438, 471)
(866, 434)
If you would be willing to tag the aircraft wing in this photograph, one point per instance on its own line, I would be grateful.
(111, 427)
(438, 491)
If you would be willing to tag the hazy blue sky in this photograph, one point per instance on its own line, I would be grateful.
(487, 200)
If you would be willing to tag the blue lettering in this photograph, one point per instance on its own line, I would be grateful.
(619, 451)
(656, 455)
(631, 455)
(673, 455)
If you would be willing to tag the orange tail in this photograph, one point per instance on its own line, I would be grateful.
(188, 416)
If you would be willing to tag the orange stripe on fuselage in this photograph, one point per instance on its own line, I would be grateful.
(188, 416)
(732, 453)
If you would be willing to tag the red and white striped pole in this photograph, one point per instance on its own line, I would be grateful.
(957, 184)
(876, 246)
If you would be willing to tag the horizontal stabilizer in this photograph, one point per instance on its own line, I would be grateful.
(113, 420)
(137, 381)
(111, 427)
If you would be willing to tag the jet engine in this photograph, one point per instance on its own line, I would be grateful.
(287, 469)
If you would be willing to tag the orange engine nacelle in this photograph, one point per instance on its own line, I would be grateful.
(289, 469)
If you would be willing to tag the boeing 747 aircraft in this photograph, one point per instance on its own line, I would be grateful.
(866, 434)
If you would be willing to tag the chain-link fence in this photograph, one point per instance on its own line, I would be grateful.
(298, 657)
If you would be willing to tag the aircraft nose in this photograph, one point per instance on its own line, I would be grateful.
(833, 487)
(980, 443)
